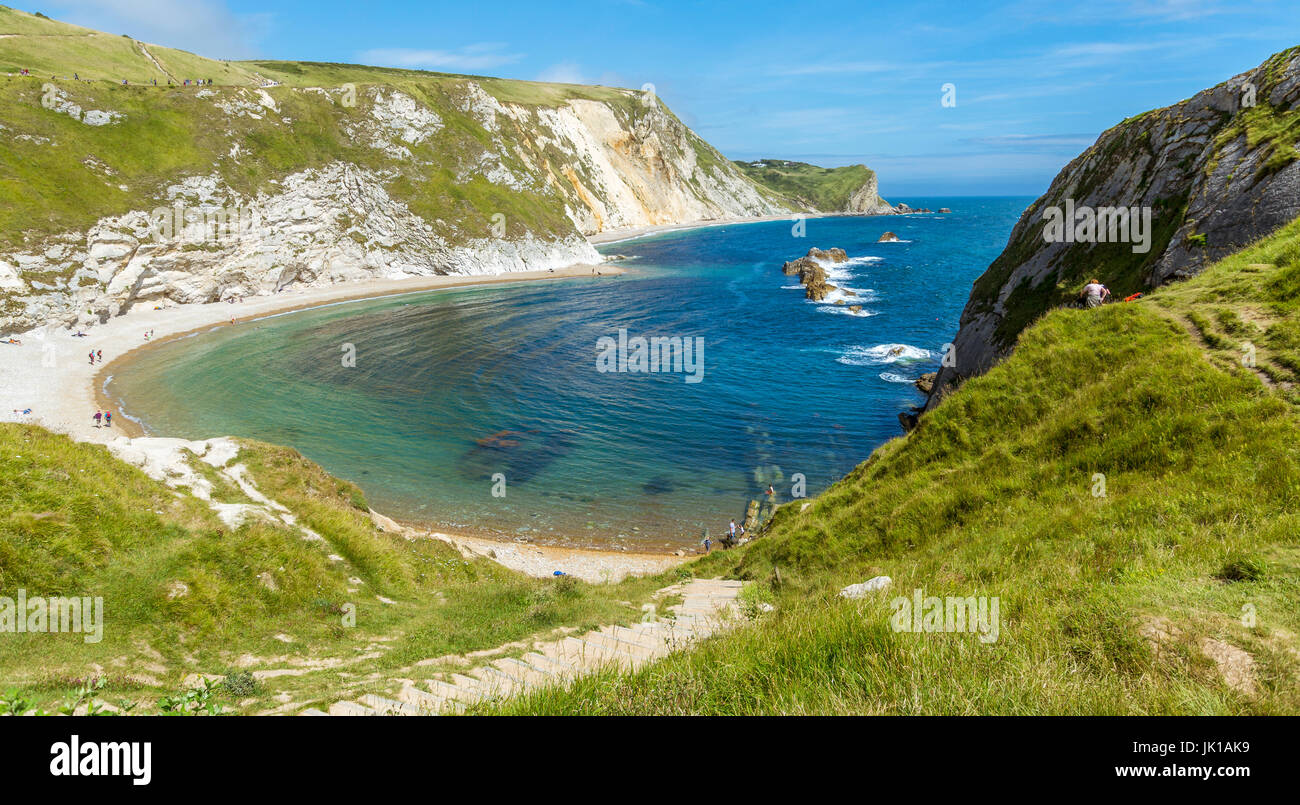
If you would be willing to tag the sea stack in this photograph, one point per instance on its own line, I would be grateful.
(888, 237)
(811, 273)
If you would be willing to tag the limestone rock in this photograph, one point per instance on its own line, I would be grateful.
(868, 586)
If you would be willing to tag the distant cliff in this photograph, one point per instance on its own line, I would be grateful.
(850, 189)
(1213, 173)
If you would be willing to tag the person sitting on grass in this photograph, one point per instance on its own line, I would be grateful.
(1094, 293)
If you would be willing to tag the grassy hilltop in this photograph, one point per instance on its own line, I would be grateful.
(48, 48)
(827, 189)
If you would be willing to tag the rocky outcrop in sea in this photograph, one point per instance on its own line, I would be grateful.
(812, 273)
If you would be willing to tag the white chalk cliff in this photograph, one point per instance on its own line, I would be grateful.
(562, 171)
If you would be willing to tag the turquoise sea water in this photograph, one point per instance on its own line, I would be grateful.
(453, 389)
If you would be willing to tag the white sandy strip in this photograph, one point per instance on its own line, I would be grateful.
(544, 560)
(633, 232)
(62, 396)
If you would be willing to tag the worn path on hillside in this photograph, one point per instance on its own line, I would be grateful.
(706, 608)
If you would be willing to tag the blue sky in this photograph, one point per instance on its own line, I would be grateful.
(833, 83)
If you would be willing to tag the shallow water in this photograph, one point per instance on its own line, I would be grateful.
(453, 392)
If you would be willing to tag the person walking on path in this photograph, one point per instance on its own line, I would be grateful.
(98, 416)
(108, 419)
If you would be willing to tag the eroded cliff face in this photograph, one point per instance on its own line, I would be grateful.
(636, 169)
(866, 200)
(365, 182)
(1214, 173)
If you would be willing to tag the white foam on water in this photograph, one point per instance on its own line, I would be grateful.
(882, 354)
(894, 378)
(841, 271)
(843, 310)
(860, 296)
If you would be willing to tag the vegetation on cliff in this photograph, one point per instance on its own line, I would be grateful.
(824, 189)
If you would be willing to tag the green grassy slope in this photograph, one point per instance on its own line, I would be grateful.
(826, 189)
(1243, 309)
(62, 175)
(75, 521)
(993, 494)
(50, 48)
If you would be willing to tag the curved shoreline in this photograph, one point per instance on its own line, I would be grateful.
(327, 297)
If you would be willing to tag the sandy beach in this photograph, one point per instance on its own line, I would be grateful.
(633, 232)
(50, 371)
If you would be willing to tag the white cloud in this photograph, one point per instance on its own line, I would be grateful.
(563, 73)
(839, 67)
(206, 27)
(1036, 140)
(1105, 49)
(481, 56)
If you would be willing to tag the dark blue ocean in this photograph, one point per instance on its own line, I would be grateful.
(458, 394)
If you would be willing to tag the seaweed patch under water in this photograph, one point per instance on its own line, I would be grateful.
(518, 454)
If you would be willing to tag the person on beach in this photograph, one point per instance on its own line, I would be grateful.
(108, 419)
(1094, 293)
(99, 355)
(98, 417)
(92, 357)
(729, 541)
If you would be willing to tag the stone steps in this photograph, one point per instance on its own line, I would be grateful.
(705, 607)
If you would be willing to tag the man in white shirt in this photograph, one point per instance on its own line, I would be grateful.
(1094, 293)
